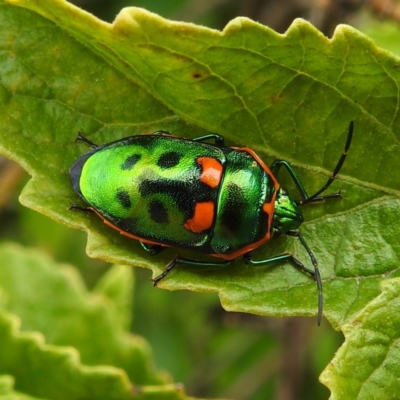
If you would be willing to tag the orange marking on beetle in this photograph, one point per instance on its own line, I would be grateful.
(267, 208)
(261, 163)
(202, 219)
(211, 171)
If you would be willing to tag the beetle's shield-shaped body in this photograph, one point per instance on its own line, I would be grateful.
(176, 192)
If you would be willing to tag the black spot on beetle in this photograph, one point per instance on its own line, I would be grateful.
(130, 161)
(182, 192)
(169, 159)
(158, 212)
(231, 215)
(127, 224)
(123, 198)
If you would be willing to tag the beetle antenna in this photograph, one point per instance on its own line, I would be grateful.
(316, 196)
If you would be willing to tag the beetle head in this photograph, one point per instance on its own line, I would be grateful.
(288, 215)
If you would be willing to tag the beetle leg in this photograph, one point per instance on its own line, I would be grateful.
(317, 275)
(290, 258)
(161, 133)
(80, 208)
(277, 164)
(219, 140)
(81, 138)
(152, 250)
(187, 261)
(281, 258)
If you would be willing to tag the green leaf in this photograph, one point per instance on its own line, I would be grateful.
(385, 33)
(70, 343)
(7, 391)
(367, 365)
(117, 286)
(288, 96)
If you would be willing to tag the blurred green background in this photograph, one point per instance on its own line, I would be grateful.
(214, 353)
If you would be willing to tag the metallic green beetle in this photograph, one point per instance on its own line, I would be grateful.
(166, 191)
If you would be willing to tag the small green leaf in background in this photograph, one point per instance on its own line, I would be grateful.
(289, 96)
(52, 333)
(7, 391)
(367, 366)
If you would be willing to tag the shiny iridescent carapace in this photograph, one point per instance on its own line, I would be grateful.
(166, 191)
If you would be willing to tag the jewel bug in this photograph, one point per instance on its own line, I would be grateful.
(167, 191)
